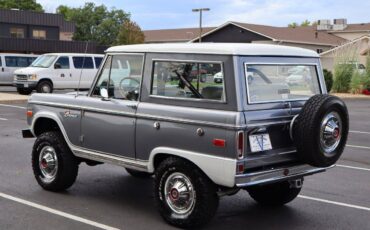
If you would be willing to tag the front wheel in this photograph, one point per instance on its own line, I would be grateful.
(54, 166)
(185, 196)
(276, 194)
(44, 87)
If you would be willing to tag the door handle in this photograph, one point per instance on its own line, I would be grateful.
(132, 106)
(2, 69)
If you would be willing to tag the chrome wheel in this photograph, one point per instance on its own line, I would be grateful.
(46, 88)
(330, 133)
(179, 194)
(48, 164)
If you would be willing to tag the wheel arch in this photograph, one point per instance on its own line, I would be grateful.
(219, 169)
(46, 79)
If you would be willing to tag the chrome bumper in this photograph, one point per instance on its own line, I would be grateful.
(275, 175)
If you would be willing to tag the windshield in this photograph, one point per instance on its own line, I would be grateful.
(271, 82)
(44, 61)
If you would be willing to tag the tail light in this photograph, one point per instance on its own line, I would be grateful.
(240, 144)
(29, 113)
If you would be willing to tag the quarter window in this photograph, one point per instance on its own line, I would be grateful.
(83, 62)
(188, 80)
(123, 74)
(17, 32)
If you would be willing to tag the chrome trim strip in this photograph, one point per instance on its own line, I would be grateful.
(275, 175)
(253, 125)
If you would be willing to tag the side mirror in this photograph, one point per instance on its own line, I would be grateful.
(57, 66)
(104, 94)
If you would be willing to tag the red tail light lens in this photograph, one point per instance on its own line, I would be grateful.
(240, 144)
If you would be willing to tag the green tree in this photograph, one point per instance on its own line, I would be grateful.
(21, 4)
(306, 23)
(130, 33)
(95, 23)
(293, 25)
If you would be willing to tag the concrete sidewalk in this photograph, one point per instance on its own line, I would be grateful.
(12, 98)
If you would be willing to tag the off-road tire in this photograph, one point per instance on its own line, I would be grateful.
(67, 163)
(24, 91)
(206, 198)
(306, 130)
(138, 174)
(276, 194)
(41, 84)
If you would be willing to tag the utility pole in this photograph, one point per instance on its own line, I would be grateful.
(200, 10)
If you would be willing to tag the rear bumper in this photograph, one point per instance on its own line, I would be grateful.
(276, 175)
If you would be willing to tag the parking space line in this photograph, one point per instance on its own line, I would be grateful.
(360, 132)
(13, 106)
(3, 119)
(56, 212)
(358, 146)
(335, 203)
(353, 167)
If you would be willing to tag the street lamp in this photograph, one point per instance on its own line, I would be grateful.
(200, 10)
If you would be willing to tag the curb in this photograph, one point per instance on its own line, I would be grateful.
(17, 101)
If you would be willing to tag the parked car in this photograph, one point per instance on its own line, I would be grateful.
(57, 71)
(11, 62)
(201, 141)
(218, 77)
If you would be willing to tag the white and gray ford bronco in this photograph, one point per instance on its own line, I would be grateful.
(263, 127)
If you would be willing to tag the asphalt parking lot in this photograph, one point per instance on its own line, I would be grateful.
(106, 197)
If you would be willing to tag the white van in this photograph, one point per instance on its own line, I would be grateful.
(58, 71)
(11, 62)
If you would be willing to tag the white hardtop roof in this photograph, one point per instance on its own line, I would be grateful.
(74, 54)
(216, 48)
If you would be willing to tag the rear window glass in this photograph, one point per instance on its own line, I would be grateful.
(12, 61)
(272, 82)
(98, 61)
(83, 62)
(188, 80)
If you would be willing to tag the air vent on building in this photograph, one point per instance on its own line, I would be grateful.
(340, 24)
(324, 24)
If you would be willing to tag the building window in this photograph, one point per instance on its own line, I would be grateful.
(319, 51)
(17, 32)
(39, 34)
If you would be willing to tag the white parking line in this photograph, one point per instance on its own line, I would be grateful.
(13, 106)
(56, 212)
(358, 146)
(335, 203)
(3, 119)
(360, 132)
(353, 167)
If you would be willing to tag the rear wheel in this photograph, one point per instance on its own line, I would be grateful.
(185, 196)
(276, 194)
(54, 166)
(24, 91)
(44, 87)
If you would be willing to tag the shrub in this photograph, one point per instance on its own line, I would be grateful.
(328, 76)
(357, 82)
(342, 77)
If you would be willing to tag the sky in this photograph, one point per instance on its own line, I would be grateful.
(162, 14)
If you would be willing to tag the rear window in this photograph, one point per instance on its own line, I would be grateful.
(13, 61)
(83, 62)
(188, 80)
(98, 61)
(272, 82)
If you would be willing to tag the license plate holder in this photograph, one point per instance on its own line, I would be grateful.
(260, 142)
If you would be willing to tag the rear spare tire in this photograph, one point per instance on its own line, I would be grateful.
(320, 130)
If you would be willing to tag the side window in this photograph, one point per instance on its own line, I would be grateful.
(98, 61)
(62, 63)
(188, 80)
(87, 62)
(1, 64)
(123, 74)
(12, 61)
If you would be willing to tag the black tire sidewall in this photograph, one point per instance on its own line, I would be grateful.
(206, 199)
(41, 84)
